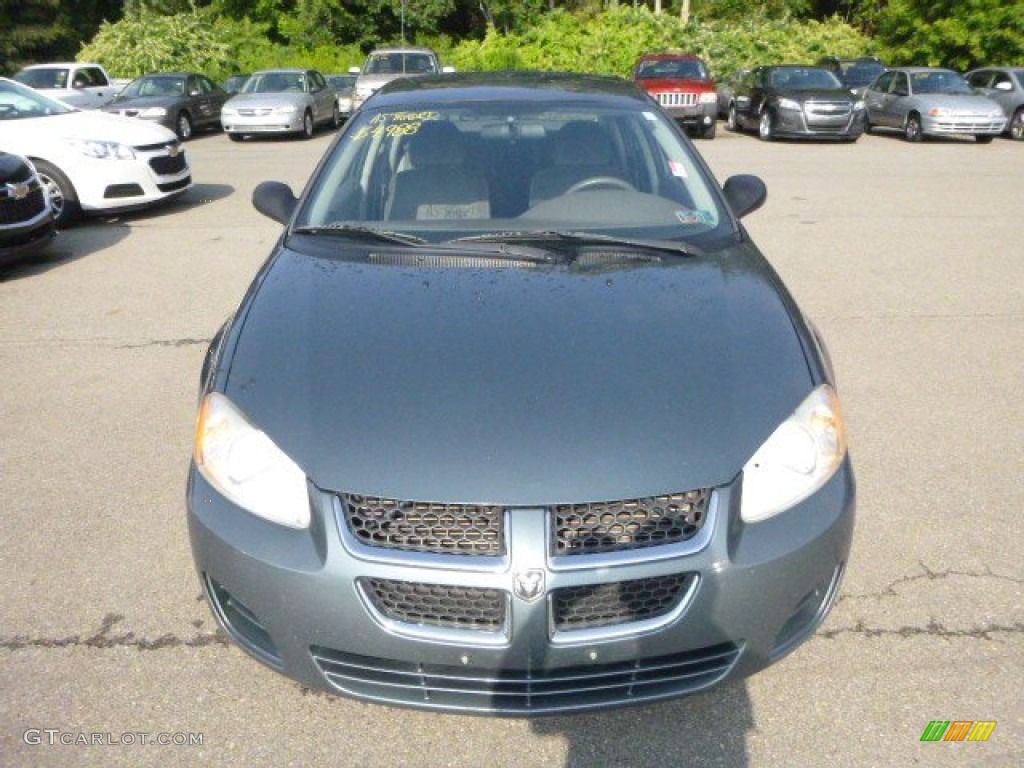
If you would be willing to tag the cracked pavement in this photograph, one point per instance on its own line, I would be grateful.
(907, 257)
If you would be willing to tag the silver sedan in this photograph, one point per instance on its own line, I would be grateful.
(928, 101)
(281, 101)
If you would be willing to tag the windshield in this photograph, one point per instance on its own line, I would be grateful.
(154, 86)
(18, 102)
(447, 172)
(275, 82)
(944, 81)
(683, 68)
(859, 73)
(803, 79)
(399, 63)
(55, 77)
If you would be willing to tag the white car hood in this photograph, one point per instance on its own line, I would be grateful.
(88, 125)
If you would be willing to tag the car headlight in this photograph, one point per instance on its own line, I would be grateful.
(153, 112)
(709, 98)
(245, 465)
(103, 150)
(285, 109)
(797, 459)
(789, 104)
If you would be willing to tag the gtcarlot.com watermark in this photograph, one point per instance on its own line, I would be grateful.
(57, 737)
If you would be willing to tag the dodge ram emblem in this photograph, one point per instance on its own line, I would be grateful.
(528, 585)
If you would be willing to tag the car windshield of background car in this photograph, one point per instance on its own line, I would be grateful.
(939, 82)
(18, 102)
(694, 70)
(806, 80)
(154, 86)
(633, 175)
(861, 73)
(43, 78)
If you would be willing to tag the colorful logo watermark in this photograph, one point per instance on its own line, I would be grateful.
(958, 730)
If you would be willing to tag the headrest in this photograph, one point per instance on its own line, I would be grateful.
(582, 143)
(436, 143)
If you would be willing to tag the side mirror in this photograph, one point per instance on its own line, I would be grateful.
(1003, 86)
(744, 193)
(275, 200)
(448, 69)
(354, 70)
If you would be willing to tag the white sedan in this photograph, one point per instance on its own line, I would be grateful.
(91, 162)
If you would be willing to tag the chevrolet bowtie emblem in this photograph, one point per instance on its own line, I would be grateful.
(18, 191)
(173, 150)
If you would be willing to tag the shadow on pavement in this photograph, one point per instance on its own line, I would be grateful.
(84, 239)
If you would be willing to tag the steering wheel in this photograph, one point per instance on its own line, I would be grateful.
(600, 181)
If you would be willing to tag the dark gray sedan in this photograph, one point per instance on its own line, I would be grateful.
(795, 101)
(185, 102)
(516, 418)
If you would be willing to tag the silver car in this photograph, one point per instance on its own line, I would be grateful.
(386, 64)
(1005, 86)
(281, 101)
(928, 101)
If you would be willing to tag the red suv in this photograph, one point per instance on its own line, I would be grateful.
(681, 83)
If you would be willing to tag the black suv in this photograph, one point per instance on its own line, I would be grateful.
(856, 74)
(26, 216)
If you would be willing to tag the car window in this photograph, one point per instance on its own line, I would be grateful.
(688, 68)
(1002, 78)
(883, 83)
(56, 77)
(939, 81)
(980, 79)
(18, 102)
(900, 86)
(453, 171)
(93, 77)
(804, 79)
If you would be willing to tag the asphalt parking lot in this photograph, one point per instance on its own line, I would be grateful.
(908, 257)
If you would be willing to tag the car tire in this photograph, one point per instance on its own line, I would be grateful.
(307, 125)
(236, 136)
(766, 126)
(912, 130)
(335, 116)
(1016, 130)
(709, 131)
(183, 126)
(62, 193)
(731, 119)
(985, 139)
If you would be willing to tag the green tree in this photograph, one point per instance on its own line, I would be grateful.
(33, 31)
(960, 34)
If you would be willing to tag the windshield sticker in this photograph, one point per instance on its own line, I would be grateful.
(395, 124)
(677, 168)
(691, 218)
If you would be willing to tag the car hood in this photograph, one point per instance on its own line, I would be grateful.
(374, 82)
(973, 103)
(513, 386)
(87, 125)
(142, 102)
(257, 100)
(676, 84)
(829, 94)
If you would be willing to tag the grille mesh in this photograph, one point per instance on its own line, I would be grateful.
(586, 529)
(461, 529)
(438, 605)
(15, 211)
(165, 166)
(604, 605)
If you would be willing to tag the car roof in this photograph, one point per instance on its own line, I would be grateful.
(666, 56)
(404, 49)
(55, 64)
(290, 70)
(557, 87)
(915, 70)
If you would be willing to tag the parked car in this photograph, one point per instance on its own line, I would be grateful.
(856, 74)
(1005, 86)
(90, 161)
(344, 85)
(386, 64)
(184, 102)
(930, 101)
(78, 84)
(26, 213)
(281, 101)
(682, 85)
(795, 101)
(234, 84)
(483, 434)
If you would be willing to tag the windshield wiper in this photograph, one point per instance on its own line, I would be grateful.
(585, 238)
(363, 234)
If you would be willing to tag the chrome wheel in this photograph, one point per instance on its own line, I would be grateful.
(184, 127)
(1017, 125)
(912, 131)
(766, 128)
(730, 121)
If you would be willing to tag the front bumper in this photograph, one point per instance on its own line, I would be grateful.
(804, 123)
(155, 175)
(953, 125)
(298, 601)
(263, 121)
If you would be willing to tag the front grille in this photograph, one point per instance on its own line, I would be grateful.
(415, 526)
(15, 210)
(677, 99)
(255, 112)
(122, 190)
(537, 690)
(829, 108)
(438, 605)
(586, 529)
(605, 605)
(166, 165)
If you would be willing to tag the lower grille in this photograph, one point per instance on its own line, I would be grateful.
(172, 186)
(415, 526)
(115, 191)
(166, 165)
(585, 529)
(438, 605)
(15, 211)
(525, 691)
(605, 605)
